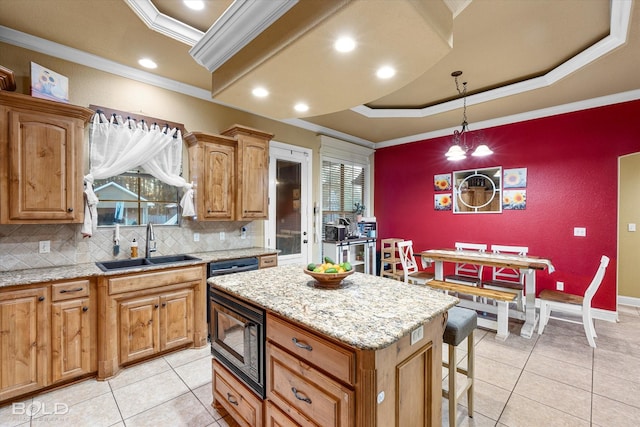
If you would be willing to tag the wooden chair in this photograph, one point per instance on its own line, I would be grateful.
(508, 279)
(409, 265)
(551, 300)
(467, 274)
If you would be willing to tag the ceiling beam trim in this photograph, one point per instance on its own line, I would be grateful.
(243, 21)
(164, 24)
(619, 24)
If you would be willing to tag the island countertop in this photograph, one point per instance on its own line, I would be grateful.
(366, 312)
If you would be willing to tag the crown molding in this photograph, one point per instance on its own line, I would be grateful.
(243, 21)
(164, 24)
(619, 28)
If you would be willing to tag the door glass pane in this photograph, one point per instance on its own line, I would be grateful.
(288, 218)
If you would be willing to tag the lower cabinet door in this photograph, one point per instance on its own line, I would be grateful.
(274, 417)
(139, 326)
(176, 319)
(305, 393)
(70, 339)
(243, 406)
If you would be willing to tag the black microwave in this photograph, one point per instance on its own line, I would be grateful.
(335, 233)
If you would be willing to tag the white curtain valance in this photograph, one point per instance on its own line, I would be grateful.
(118, 146)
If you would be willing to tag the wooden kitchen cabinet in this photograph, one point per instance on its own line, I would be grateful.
(148, 313)
(42, 157)
(315, 381)
(73, 330)
(212, 161)
(230, 173)
(24, 341)
(150, 325)
(232, 395)
(253, 172)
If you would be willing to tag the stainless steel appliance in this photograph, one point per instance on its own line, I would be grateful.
(237, 328)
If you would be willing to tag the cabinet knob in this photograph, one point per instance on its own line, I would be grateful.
(156, 306)
(40, 299)
(85, 309)
(164, 304)
(69, 210)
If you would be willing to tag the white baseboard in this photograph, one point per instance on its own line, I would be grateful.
(631, 301)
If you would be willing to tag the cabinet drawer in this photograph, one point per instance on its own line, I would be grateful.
(267, 261)
(244, 406)
(274, 417)
(305, 393)
(69, 290)
(329, 357)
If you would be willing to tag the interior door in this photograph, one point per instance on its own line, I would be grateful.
(289, 224)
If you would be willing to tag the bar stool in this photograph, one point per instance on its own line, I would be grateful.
(461, 323)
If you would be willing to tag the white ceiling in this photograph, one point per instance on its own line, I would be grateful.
(521, 58)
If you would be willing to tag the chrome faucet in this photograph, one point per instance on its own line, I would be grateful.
(151, 241)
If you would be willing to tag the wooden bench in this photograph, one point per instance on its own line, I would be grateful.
(502, 298)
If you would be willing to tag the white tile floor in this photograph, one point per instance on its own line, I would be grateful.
(551, 380)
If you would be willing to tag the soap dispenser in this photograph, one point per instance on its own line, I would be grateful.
(134, 249)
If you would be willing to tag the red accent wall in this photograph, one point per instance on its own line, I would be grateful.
(572, 181)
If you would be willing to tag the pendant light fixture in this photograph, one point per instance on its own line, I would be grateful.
(460, 147)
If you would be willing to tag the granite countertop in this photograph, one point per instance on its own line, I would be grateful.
(367, 312)
(68, 272)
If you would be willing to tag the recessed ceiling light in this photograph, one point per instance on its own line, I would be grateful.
(345, 44)
(194, 4)
(147, 63)
(301, 107)
(260, 92)
(385, 72)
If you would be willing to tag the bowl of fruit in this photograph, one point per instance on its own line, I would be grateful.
(328, 275)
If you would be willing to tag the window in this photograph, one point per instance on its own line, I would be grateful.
(343, 185)
(345, 180)
(136, 198)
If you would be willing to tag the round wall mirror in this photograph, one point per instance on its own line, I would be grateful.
(478, 190)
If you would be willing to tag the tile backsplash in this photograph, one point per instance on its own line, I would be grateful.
(19, 244)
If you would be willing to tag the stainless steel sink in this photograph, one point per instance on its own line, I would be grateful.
(141, 262)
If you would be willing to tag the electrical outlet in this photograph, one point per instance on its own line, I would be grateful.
(580, 231)
(196, 237)
(45, 246)
(631, 227)
(222, 235)
(560, 286)
(417, 334)
(243, 232)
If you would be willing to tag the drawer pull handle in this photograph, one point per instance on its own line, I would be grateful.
(232, 399)
(301, 344)
(300, 397)
(64, 291)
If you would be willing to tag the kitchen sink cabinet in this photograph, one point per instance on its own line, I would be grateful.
(150, 325)
(230, 173)
(41, 147)
(253, 172)
(149, 313)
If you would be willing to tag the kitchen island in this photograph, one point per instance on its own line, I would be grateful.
(366, 354)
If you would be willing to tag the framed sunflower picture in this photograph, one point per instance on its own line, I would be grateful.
(443, 202)
(515, 178)
(514, 199)
(442, 182)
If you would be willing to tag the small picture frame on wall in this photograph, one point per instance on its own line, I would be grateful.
(48, 84)
(515, 178)
(443, 202)
(442, 182)
(514, 199)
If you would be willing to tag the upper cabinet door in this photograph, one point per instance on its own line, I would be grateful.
(41, 180)
(219, 178)
(253, 172)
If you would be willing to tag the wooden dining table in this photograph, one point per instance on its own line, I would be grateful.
(528, 265)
